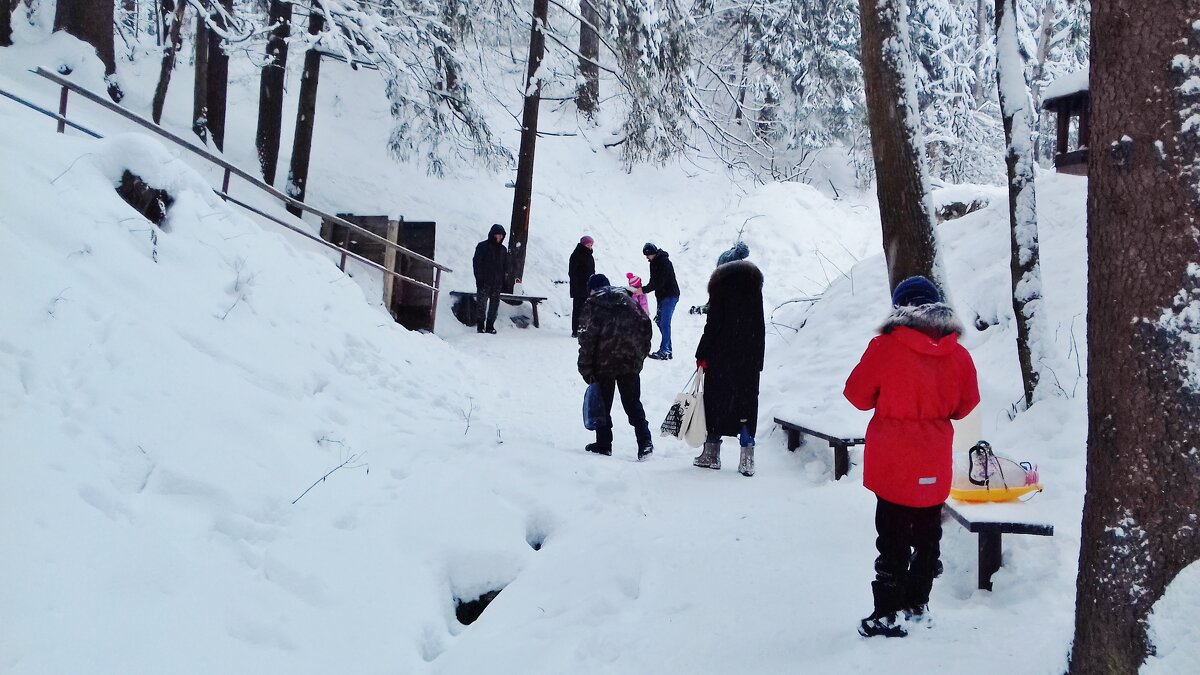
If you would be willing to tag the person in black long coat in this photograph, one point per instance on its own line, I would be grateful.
(492, 267)
(731, 356)
(581, 268)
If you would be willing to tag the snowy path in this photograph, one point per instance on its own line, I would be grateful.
(661, 567)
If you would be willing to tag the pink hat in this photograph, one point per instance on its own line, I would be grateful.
(634, 280)
(586, 240)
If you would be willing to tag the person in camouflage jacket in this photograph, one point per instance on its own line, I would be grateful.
(614, 339)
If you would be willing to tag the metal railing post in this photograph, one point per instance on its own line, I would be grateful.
(225, 181)
(62, 109)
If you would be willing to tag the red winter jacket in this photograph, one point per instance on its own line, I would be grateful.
(916, 384)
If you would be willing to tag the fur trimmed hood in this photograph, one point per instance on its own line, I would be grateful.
(739, 275)
(937, 317)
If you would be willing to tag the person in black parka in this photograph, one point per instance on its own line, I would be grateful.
(731, 356)
(581, 268)
(614, 339)
(492, 268)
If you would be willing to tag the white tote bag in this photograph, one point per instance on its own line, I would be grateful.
(685, 419)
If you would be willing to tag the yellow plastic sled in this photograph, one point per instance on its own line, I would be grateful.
(1002, 494)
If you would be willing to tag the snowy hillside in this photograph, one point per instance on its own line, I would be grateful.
(170, 400)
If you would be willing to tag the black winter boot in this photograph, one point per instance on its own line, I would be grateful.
(886, 625)
(599, 448)
(644, 450)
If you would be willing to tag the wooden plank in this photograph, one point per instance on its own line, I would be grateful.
(1007, 526)
(848, 441)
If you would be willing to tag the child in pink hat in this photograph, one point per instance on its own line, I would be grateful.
(640, 298)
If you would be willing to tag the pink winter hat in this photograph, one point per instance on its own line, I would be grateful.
(634, 280)
(586, 240)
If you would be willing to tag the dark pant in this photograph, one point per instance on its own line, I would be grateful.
(489, 299)
(909, 543)
(577, 312)
(630, 387)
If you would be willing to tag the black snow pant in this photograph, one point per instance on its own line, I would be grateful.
(489, 299)
(909, 544)
(630, 387)
(576, 313)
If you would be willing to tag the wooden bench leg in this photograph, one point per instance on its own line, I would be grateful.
(841, 460)
(535, 316)
(989, 558)
(793, 439)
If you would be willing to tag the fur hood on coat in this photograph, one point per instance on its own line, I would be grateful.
(937, 317)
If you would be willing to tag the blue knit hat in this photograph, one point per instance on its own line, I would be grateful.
(596, 282)
(740, 251)
(915, 291)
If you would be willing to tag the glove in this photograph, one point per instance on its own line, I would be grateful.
(702, 364)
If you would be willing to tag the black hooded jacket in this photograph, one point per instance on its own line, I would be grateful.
(662, 278)
(733, 344)
(580, 269)
(491, 262)
(615, 335)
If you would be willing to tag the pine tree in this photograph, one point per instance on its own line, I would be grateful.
(1140, 509)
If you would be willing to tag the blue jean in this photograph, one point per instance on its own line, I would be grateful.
(666, 307)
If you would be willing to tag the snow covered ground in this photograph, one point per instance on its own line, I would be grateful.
(167, 395)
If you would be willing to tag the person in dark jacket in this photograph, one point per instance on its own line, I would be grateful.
(731, 355)
(917, 378)
(666, 295)
(614, 339)
(492, 268)
(580, 268)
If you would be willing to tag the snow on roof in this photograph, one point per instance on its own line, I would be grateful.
(1066, 85)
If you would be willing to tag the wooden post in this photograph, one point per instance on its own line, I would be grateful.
(62, 110)
(1084, 120)
(437, 284)
(389, 261)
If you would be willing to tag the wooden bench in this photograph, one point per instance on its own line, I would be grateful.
(840, 444)
(990, 521)
(533, 300)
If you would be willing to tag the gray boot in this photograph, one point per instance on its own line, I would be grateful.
(746, 465)
(710, 456)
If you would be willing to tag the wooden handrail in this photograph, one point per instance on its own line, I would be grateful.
(232, 168)
(237, 202)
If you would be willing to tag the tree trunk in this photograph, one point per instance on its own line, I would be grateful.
(909, 244)
(743, 82)
(523, 194)
(1045, 35)
(587, 98)
(306, 109)
(92, 22)
(218, 76)
(979, 89)
(1139, 513)
(270, 89)
(200, 90)
(6, 9)
(1019, 132)
(172, 17)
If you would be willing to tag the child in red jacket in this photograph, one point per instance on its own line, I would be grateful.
(917, 378)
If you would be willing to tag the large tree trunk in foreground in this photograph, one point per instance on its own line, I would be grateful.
(1143, 471)
(270, 89)
(172, 16)
(523, 194)
(306, 109)
(1019, 132)
(908, 238)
